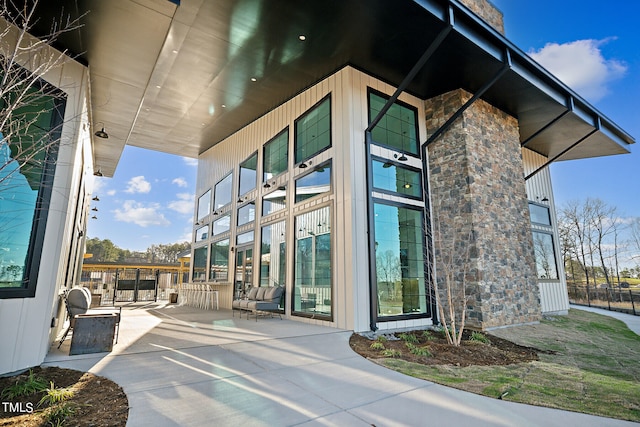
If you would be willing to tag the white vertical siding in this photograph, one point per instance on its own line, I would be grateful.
(27, 330)
(349, 119)
(553, 293)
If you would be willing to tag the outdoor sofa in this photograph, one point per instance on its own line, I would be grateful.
(260, 299)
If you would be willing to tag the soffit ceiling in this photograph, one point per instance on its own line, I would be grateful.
(178, 78)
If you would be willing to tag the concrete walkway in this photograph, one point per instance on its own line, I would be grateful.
(181, 366)
(633, 322)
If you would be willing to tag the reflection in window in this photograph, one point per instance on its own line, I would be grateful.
(545, 256)
(398, 179)
(219, 265)
(247, 213)
(244, 238)
(222, 225)
(274, 201)
(273, 255)
(313, 270)
(204, 205)
(399, 261)
(248, 174)
(199, 264)
(276, 155)
(222, 194)
(317, 182)
(202, 233)
(539, 214)
(398, 127)
(313, 131)
(28, 154)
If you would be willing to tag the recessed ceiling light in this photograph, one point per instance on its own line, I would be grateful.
(158, 86)
(223, 106)
(302, 37)
(175, 51)
(253, 79)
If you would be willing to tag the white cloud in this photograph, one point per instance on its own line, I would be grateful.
(184, 204)
(189, 161)
(138, 184)
(139, 214)
(111, 193)
(581, 65)
(180, 182)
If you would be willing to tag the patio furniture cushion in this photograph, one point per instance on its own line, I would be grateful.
(252, 293)
(261, 292)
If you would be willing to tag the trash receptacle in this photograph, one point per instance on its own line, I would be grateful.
(173, 298)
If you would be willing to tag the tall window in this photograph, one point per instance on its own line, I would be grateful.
(26, 178)
(393, 178)
(543, 246)
(222, 192)
(199, 264)
(400, 266)
(248, 174)
(313, 268)
(273, 255)
(204, 205)
(314, 183)
(313, 131)
(276, 155)
(398, 128)
(219, 264)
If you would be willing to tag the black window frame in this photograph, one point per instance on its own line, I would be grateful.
(43, 202)
(403, 166)
(264, 155)
(371, 91)
(329, 164)
(215, 192)
(241, 167)
(427, 280)
(297, 161)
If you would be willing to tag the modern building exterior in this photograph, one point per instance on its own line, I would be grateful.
(362, 154)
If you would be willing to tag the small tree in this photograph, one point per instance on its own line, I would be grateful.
(454, 243)
(25, 99)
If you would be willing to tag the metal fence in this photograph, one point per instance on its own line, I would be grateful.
(103, 284)
(614, 298)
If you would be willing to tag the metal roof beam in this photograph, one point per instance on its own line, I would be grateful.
(563, 152)
(506, 67)
(412, 74)
(548, 125)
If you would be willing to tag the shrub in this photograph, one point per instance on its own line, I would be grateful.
(391, 353)
(377, 345)
(410, 338)
(55, 395)
(478, 337)
(418, 351)
(24, 387)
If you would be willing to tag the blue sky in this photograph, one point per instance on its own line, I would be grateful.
(593, 46)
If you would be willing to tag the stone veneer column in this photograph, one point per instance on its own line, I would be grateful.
(478, 197)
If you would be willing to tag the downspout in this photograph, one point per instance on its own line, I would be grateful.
(373, 287)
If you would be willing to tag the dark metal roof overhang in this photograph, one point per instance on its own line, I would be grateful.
(554, 121)
(160, 73)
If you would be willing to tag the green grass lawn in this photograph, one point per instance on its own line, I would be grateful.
(595, 370)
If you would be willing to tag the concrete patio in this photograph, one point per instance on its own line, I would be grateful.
(188, 367)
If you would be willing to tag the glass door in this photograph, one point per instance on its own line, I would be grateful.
(244, 271)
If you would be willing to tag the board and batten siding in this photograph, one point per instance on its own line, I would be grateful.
(30, 325)
(347, 200)
(553, 293)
